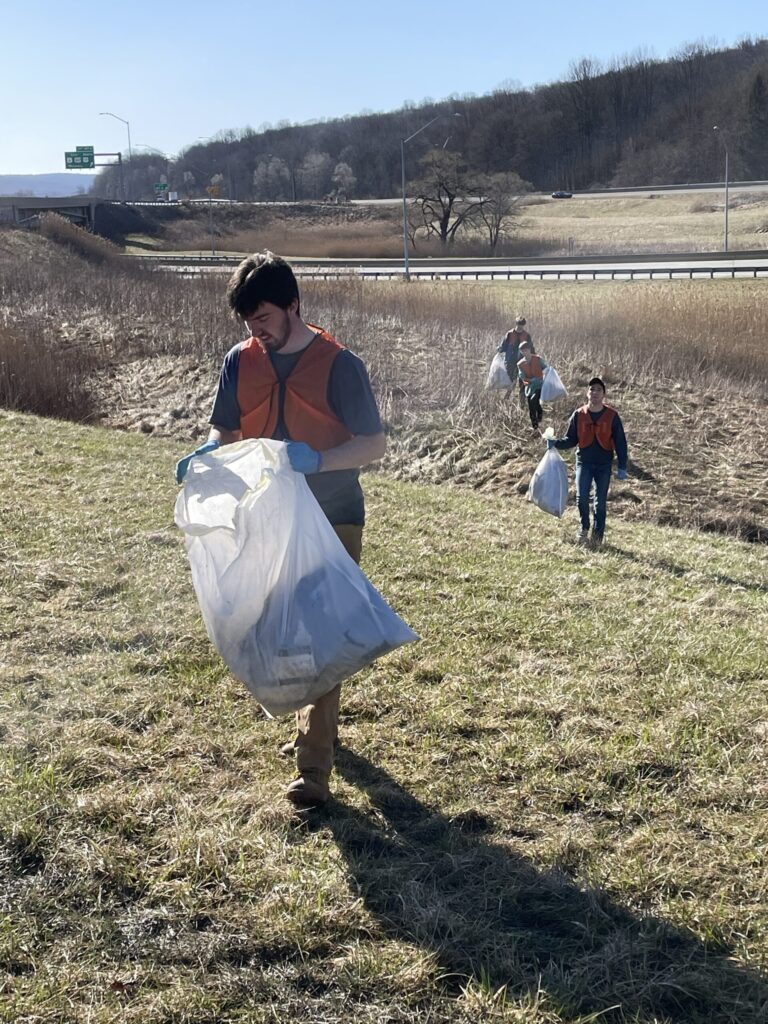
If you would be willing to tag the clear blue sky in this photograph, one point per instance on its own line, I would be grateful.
(181, 69)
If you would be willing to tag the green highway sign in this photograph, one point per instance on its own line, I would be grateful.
(78, 160)
(84, 149)
(161, 186)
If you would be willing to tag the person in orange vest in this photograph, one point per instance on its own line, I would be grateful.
(596, 431)
(292, 381)
(530, 370)
(510, 346)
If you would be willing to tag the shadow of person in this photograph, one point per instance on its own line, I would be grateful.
(490, 915)
(674, 569)
(637, 472)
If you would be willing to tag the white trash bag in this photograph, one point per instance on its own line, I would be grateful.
(283, 603)
(549, 484)
(498, 377)
(552, 387)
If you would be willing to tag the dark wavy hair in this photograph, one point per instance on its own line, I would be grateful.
(262, 277)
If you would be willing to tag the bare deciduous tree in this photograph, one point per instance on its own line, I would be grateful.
(500, 194)
(445, 195)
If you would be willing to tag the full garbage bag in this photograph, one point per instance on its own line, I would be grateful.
(548, 488)
(283, 603)
(552, 388)
(497, 374)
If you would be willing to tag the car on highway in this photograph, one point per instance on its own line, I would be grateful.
(562, 195)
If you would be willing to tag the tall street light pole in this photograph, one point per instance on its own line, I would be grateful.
(716, 128)
(107, 113)
(209, 190)
(405, 199)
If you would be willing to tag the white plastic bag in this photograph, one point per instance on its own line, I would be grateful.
(553, 387)
(498, 377)
(549, 484)
(285, 606)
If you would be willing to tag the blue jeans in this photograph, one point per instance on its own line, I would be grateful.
(585, 477)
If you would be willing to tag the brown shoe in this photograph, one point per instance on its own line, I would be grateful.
(309, 790)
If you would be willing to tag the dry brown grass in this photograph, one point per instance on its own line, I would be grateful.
(37, 376)
(658, 223)
(694, 407)
(369, 240)
(663, 222)
(77, 240)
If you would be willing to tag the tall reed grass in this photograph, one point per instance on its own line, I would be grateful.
(76, 239)
(427, 344)
(685, 361)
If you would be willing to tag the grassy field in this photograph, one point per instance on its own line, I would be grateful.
(550, 809)
(659, 222)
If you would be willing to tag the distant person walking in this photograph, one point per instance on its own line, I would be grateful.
(596, 431)
(510, 346)
(530, 371)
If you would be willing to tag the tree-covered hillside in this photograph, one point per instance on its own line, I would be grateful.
(638, 121)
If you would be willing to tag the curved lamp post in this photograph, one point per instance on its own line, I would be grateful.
(106, 113)
(405, 201)
(716, 128)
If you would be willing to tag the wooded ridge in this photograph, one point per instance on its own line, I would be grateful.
(636, 121)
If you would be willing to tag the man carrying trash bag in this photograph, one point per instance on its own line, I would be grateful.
(291, 381)
(596, 431)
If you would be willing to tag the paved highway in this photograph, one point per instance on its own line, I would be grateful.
(660, 190)
(615, 193)
(641, 191)
(651, 267)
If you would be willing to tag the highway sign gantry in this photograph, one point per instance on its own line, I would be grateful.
(79, 158)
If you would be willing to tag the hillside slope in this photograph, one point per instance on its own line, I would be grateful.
(141, 352)
(552, 806)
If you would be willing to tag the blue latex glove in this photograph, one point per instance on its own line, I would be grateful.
(621, 474)
(302, 458)
(550, 443)
(183, 464)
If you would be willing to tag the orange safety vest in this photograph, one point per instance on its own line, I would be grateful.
(532, 368)
(307, 415)
(588, 431)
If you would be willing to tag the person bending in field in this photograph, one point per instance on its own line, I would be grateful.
(596, 431)
(530, 371)
(510, 346)
(291, 381)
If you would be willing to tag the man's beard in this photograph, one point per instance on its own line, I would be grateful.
(278, 341)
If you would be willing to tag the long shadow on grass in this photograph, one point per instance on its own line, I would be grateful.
(683, 570)
(490, 915)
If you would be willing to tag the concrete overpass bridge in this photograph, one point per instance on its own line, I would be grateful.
(24, 210)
